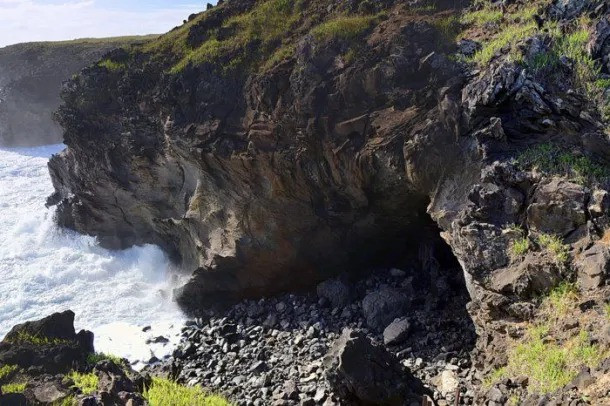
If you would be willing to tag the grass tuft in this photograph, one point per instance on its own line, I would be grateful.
(38, 340)
(346, 27)
(520, 246)
(164, 392)
(93, 359)
(483, 16)
(509, 36)
(13, 388)
(554, 244)
(112, 66)
(562, 298)
(7, 370)
(87, 383)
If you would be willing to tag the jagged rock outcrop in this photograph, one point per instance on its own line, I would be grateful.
(41, 359)
(268, 178)
(31, 77)
(363, 373)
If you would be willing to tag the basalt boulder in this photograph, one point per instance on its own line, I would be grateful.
(363, 373)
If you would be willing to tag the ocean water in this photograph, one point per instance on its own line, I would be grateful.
(44, 269)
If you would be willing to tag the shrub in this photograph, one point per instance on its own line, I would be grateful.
(7, 370)
(164, 392)
(87, 383)
(14, 388)
(556, 246)
(346, 27)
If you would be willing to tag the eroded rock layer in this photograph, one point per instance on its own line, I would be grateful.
(268, 175)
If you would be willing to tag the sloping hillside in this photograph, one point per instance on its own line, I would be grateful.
(31, 76)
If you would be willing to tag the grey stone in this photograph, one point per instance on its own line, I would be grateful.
(381, 307)
(396, 332)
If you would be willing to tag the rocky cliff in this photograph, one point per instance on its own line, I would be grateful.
(267, 145)
(31, 76)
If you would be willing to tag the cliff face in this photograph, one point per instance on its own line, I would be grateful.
(31, 76)
(267, 145)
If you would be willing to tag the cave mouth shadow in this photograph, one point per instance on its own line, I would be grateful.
(435, 282)
(429, 274)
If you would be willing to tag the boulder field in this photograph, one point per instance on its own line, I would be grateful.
(268, 146)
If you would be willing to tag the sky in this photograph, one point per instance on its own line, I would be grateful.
(55, 20)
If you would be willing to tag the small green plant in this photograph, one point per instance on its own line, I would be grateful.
(346, 27)
(163, 392)
(554, 244)
(563, 298)
(7, 370)
(14, 388)
(87, 383)
(607, 310)
(25, 337)
(93, 359)
(520, 246)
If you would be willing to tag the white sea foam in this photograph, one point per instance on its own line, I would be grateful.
(44, 269)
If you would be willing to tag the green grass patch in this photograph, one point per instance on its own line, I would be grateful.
(265, 26)
(87, 383)
(508, 36)
(562, 298)
(548, 364)
(607, 310)
(93, 359)
(278, 56)
(485, 15)
(39, 340)
(520, 246)
(554, 244)
(553, 160)
(7, 370)
(112, 66)
(13, 388)
(164, 392)
(345, 27)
